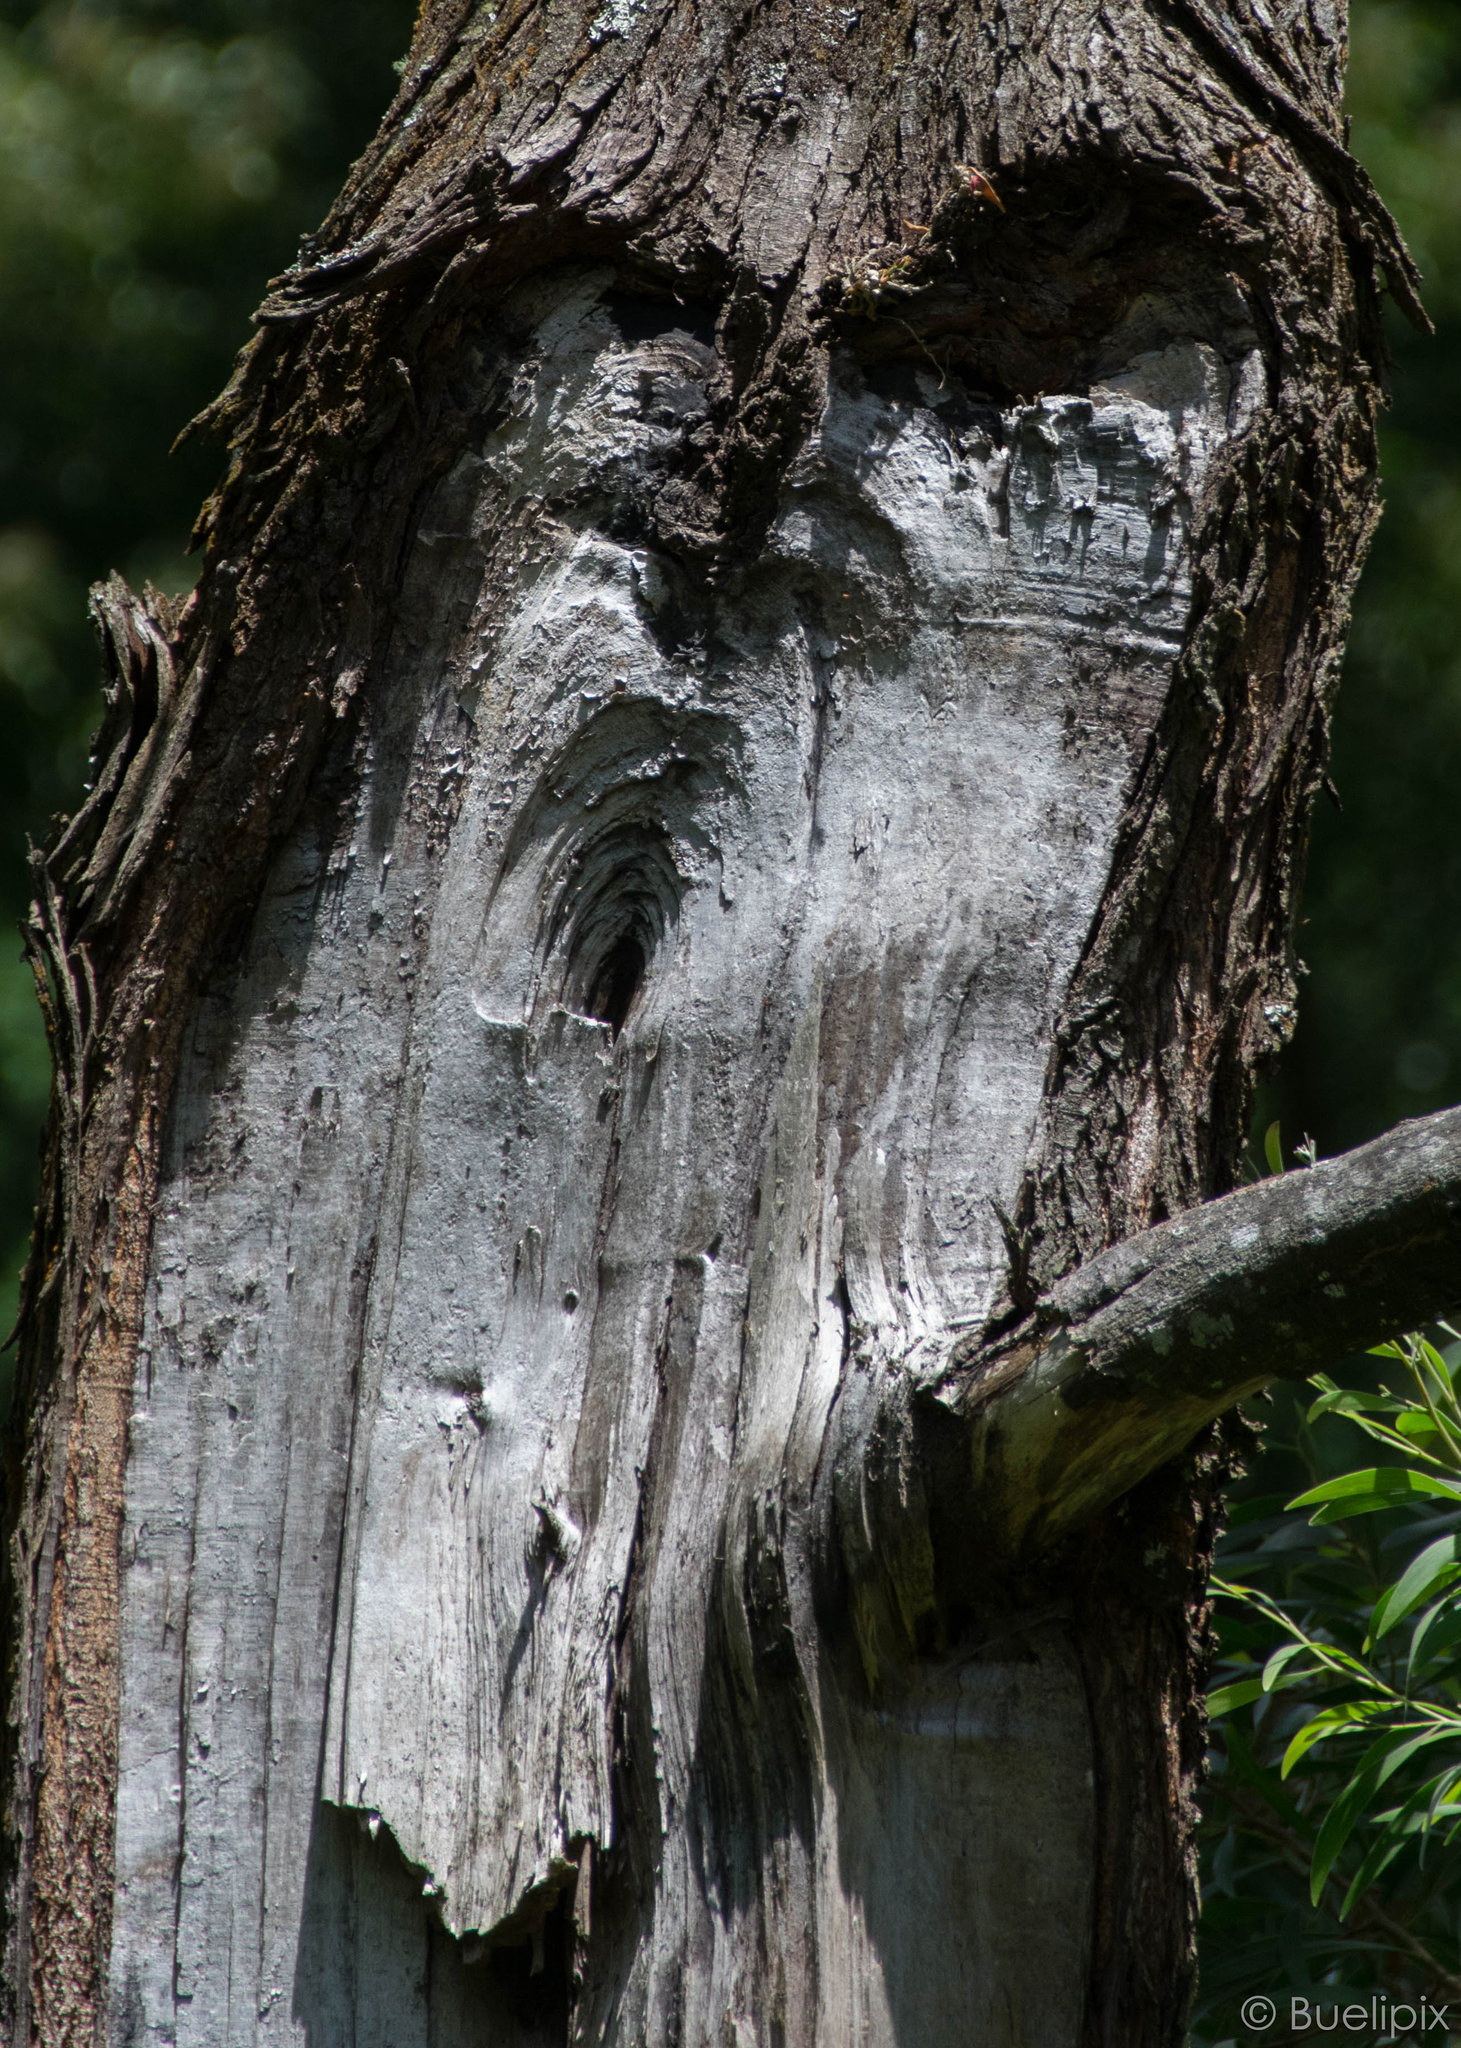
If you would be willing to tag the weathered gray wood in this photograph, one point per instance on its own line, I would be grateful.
(860, 814)
(725, 814)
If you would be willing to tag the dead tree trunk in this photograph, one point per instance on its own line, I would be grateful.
(603, 1378)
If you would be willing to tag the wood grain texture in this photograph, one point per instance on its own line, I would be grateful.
(826, 1083)
(726, 811)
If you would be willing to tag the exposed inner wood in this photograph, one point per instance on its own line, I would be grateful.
(726, 813)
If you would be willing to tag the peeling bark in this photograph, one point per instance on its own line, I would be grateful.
(710, 861)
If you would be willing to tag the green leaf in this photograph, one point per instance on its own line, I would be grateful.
(1338, 1826)
(1444, 1611)
(1349, 1401)
(1344, 1510)
(1282, 1657)
(1414, 1422)
(1398, 1752)
(1331, 1721)
(1381, 1761)
(1437, 1565)
(1273, 1149)
(1437, 1363)
(1393, 1836)
(1441, 1789)
(1377, 1486)
(1225, 1698)
(1381, 1852)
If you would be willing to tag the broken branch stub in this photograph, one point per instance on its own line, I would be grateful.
(1128, 1356)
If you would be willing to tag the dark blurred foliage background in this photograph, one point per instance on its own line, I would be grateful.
(1379, 1034)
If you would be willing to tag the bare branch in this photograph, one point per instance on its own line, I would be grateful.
(1134, 1351)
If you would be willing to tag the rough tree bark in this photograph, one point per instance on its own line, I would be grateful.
(603, 1373)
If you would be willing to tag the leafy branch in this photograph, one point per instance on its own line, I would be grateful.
(1393, 1720)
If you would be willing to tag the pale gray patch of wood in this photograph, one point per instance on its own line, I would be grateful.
(466, 1308)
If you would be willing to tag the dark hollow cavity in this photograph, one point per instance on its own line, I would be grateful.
(616, 982)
